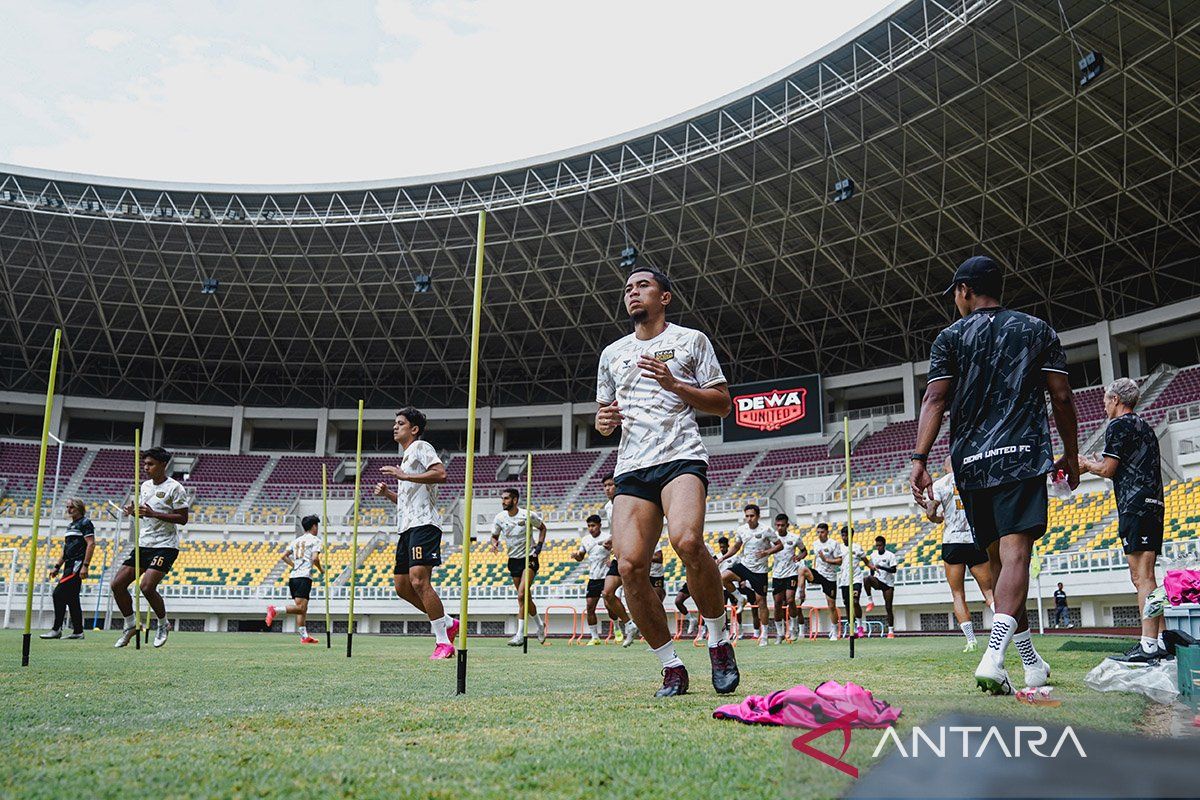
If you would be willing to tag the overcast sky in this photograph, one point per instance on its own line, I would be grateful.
(292, 92)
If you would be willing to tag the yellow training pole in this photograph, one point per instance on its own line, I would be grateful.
(472, 397)
(354, 534)
(137, 536)
(528, 579)
(37, 500)
(325, 549)
(850, 532)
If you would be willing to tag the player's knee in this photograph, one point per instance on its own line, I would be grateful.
(633, 565)
(690, 548)
(148, 585)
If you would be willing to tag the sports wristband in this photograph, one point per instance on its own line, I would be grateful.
(919, 457)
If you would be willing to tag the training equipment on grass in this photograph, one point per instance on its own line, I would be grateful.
(469, 488)
(526, 578)
(354, 533)
(850, 630)
(137, 538)
(37, 502)
(325, 549)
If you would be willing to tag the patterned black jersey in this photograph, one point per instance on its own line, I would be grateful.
(1138, 480)
(999, 431)
(76, 544)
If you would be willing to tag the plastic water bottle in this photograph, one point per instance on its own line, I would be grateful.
(1059, 487)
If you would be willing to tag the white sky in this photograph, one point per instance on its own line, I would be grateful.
(292, 92)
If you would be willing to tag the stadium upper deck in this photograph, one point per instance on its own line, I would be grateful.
(962, 124)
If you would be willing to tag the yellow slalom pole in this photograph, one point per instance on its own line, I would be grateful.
(850, 532)
(528, 578)
(37, 501)
(137, 536)
(472, 397)
(325, 549)
(354, 534)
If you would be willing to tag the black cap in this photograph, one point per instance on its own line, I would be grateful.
(971, 270)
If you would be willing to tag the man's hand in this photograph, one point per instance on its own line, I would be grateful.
(127, 509)
(147, 511)
(1070, 466)
(83, 572)
(381, 488)
(608, 418)
(394, 472)
(495, 548)
(921, 484)
(657, 370)
(53, 572)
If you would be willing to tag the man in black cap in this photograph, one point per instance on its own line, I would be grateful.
(993, 367)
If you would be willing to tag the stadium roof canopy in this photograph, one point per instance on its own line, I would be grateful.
(962, 124)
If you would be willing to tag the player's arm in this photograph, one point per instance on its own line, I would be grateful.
(87, 555)
(434, 473)
(495, 545)
(287, 558)
(579, 554)
(775, 548)
(929, 425)
(317, 562)
(1105, 466)
(1062, 402)
(176, 516)
(713, 400)
(733, 551)
(657, 557)
(931, 511)
(541, 542)
(383, 490)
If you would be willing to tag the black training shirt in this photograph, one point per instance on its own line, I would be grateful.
(1137, 482)
(999, 431)
(75, 545)
(1060, 598)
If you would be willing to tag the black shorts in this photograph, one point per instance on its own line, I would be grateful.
(846, 593)
(648, 483)
(301, 588)
(658, 581)
(757, 580)
(516, 567)
(875, 582)
(156, 558)
(1017, 507)
(595, 587)
(781, 585)
(418, 547)
(967, 554)
(1141, 533)
(828, 587)
(684, 591)
(613, 572)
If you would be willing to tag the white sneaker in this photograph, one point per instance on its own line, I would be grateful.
(691, 628)
(516, 641)
(833, 634)
(51, 634)
(992, 678)
(126, 636)
(160, 636)
(762, 641)
(801, 632)
(1037, 675)
(75, 635)
(541, 634)
(779, 638)
(631, 633)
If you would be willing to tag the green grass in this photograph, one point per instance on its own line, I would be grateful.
(257, 715)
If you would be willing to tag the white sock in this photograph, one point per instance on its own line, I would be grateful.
(1148, 644)
(1024, 643)
(968, 629)
(520, 628)
(595, 629)
(537, 622)
(716, 630)
(130, 622)
(439, 630)
(303, 631)
(1003, 627)
(1161, 644)
(666, 654)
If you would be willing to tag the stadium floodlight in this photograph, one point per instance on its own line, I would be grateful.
(209, 286)
(843, 190)
(1090, 67)
(629, 257)
(421, 284)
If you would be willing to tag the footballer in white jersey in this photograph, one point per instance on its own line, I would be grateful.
(594, 550)
(851, 570)
(302, 555)
(651, 384)
(883, 565)
(788, 579)
(512, 525)
(827, 555)
(755, 543)
(617, 614)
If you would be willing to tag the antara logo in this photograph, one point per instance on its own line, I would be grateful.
(770, 411)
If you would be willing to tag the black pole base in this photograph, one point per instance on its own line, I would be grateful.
(25, 639)
(328, 641)
(349, 643)
(525, 645)
(462, 672)
(137, 638)
(852, 638)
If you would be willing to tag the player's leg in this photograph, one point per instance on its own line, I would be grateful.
(420, 577)
(889, 596)
(1141, 572)
(982, 573)
(73, 587)
(405, 591)
(763, 613)
(616, 609)
(519, 637)
(780, 603)
(637, 526)
(593, 600)
(59, 598)
(151, 578)
(828, 588)
(120, 590)
(955, 578)
(531, 610)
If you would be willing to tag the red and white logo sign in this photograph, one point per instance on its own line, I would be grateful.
(770, 411)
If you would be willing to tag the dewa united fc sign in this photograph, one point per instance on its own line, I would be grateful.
(789, 407)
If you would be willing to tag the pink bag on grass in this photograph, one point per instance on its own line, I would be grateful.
(1182, 586)
(801, 707)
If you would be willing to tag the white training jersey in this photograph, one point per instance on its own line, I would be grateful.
(658, 569)
(606, 517)
(658, 426)
(302, 549)
(885, 559)
(957, 530)
(844, 570)
(596, 555)
(416, 503)
(511, 528)
(755, 544)
(163, 498)
(786, 565)
(830, 548)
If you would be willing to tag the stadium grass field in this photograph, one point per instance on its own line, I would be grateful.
(257, 715)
